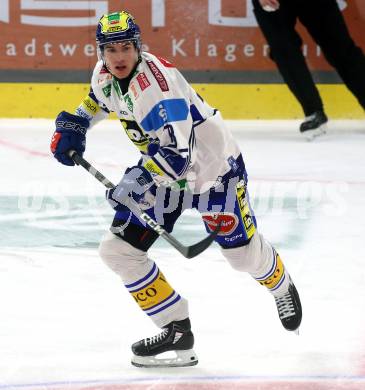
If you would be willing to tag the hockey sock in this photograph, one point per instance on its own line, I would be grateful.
(157, 298)
(273, 276)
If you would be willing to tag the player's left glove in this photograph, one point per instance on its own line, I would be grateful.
(137, 183)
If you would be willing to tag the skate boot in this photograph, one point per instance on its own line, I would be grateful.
(314, 125)
(175, 338)
(290, 308)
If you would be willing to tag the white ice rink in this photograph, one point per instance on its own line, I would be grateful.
(67, 322)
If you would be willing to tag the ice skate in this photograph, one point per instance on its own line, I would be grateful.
(314, 125)
(290, 309)
(170, 348)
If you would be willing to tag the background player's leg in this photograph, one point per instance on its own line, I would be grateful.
(327, 26)
(286, 51)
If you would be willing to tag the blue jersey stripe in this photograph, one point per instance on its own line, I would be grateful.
(166, 111)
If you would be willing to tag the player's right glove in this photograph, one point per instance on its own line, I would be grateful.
(70, 134)
(136, 183)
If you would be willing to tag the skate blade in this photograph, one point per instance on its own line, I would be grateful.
(310, 135)
(185, 358)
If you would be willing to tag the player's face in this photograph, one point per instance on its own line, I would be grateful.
(120, 58)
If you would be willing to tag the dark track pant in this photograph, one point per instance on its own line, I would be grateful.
(326, 25)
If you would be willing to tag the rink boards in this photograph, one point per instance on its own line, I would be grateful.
(235, 101)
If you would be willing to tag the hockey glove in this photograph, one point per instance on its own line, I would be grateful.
(70, 134)
(137, 183)
(177, 162)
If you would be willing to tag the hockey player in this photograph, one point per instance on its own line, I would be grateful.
(187, 157)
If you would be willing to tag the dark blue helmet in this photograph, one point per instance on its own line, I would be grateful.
(117, 27)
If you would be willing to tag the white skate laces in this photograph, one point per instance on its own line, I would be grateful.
(289, 308)
(155, 339)
(285, 306)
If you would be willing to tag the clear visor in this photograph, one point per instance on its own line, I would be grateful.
(100, 48)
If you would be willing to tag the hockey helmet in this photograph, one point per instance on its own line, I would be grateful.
(117, 27)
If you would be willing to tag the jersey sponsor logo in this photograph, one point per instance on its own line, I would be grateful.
(244, 207)
(133, 89)
(143, 81)
(135, 134)
(104, 70)
(158, 76)
(128, 101)
(90, 105)
(229, 222)
(105, 77)
(166, 111)
(107, 90)
(81, 112)
(153, 168)
(165, 63)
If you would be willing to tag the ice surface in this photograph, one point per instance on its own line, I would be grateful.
(67, 321)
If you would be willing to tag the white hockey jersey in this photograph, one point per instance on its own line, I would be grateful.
(183, 141)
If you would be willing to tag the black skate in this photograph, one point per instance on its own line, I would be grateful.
(290, 309)
(314, 125)
(176, 338)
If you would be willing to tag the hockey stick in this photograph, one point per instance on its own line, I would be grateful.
(187, 251)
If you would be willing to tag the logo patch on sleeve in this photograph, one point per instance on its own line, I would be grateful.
(165, 63)
(158, 76)
(90, 105)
